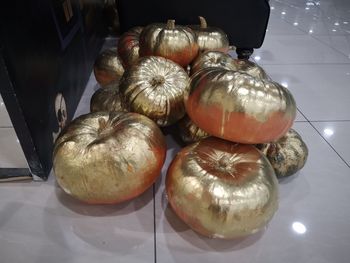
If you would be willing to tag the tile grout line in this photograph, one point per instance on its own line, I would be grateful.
(325, 140)
(313, 37)
(154, 224)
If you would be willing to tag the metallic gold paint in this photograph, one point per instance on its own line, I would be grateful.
(108, 67)
(210, 38)
(108, 158)
(287, 155)
(177, 43)
(222, 60)
(106, 99)
(190, 132)
(129, 46)
(238, 107)
(222, 189)
(155, 87)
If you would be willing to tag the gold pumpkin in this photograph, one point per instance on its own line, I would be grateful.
(155, 87)
(190, 132)
(129, 46)
(108, 67)
(170, 41)
(287, 155)
(108, 158)
(106, 99)
(238, 107)
(210, 38)
(221, 189)
(222, 60)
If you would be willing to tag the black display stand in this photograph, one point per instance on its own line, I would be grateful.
(47, 50)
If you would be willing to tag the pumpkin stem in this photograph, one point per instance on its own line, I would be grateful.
(170, 24)
(203, 22)
(157, 80)
(102, 123)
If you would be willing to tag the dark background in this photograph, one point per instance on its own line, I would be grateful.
(46, 48)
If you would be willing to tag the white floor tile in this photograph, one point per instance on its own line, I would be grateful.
(340, 43)
(297, 49)
(337, 134)
(5, 120)
(11, 153)
(316, 199)
(321, 91)
(276, 26)
(39, 223)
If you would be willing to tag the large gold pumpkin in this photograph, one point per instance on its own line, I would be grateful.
(107, 158)
(190, 132)
(222, 60)
(287, 155)
(170, 41)
(155, 87)
(210, 38)
(108, 67)
(106, 99)
(221, 189)
(238, 107)
(129, 46)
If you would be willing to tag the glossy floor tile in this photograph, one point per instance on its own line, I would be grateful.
(11, 153)
(320, 90)
(39, 223)
(297, 49)
(338, 135)
(4, 116)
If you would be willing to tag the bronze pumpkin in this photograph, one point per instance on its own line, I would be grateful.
(238, 107)
(129, 46)
(108, 67)
(287, 155)
(222, 189)
(190, 132)
(155, 87)
(210, 38)
(177, 43)
(222, 60)
(108, 158)
(106, 99)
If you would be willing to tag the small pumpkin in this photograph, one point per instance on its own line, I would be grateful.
(190, 132)
(210, 38)
(155, 87)
(129, 46)
(177, 43)
(287, 155)
(222, 60)
(106, 99)
(238, 107)
(108, 158)
(222, 189)
(108, 67)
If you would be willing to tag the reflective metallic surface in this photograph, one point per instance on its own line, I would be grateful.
(238, 107)
(287, 155)
(128, 46)
(103, 158)
(221, 189)
(108, 67)
(106, 99)
(222, 60)
(190, 132)
(177, 43)
(155, 87)
(215, 59)
(210, 38)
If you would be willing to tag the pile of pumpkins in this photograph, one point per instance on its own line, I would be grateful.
(235, 119)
